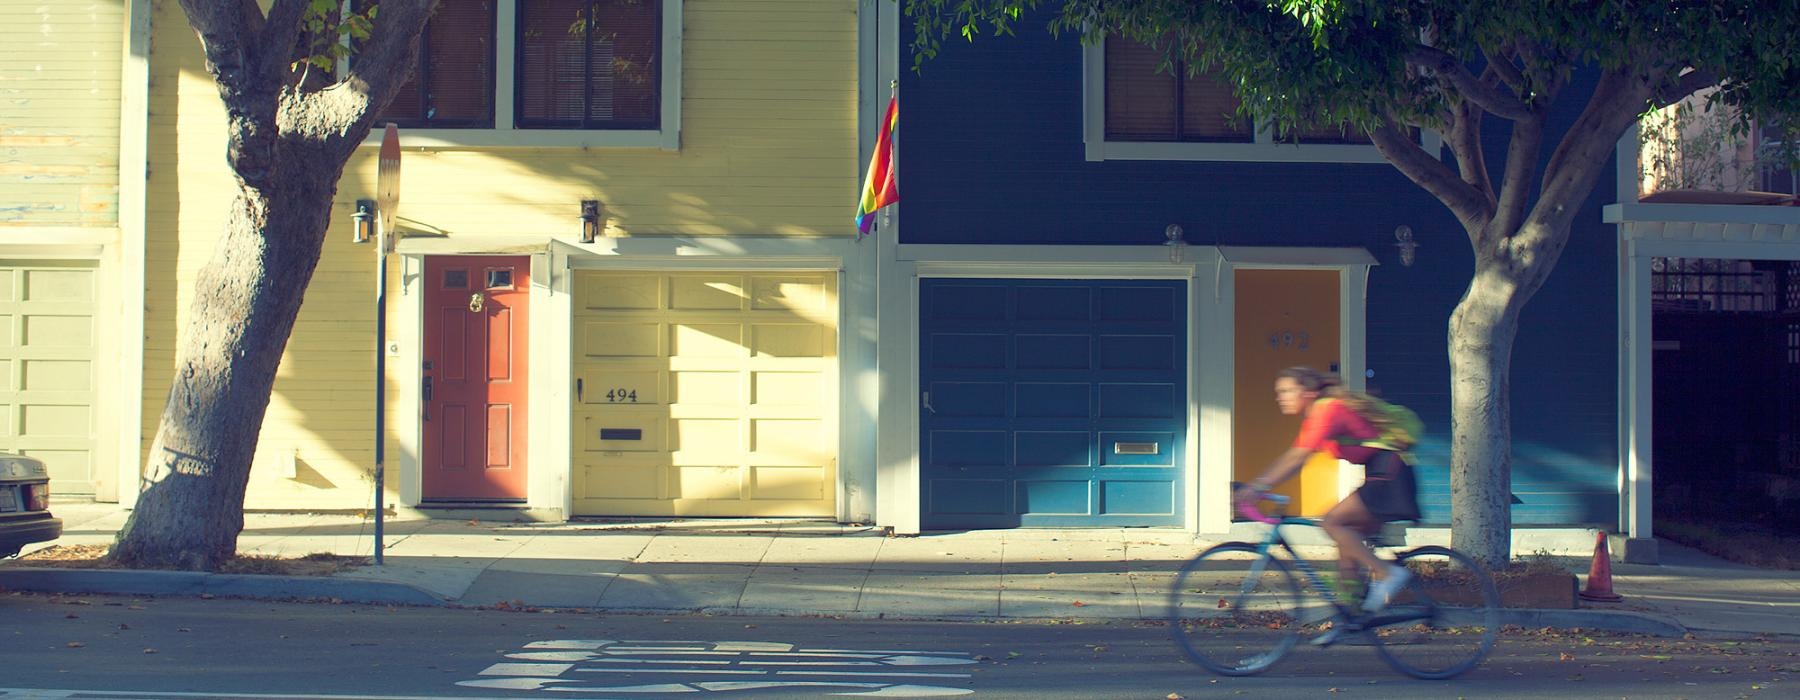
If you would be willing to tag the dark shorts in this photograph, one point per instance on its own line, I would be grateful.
(1388, 489)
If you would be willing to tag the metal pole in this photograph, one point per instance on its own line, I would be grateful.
(380, 386)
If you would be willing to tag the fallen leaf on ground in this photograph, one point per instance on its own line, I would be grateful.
(76, 645)
(1079, 604)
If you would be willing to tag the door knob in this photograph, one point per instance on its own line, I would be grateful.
(475, 303)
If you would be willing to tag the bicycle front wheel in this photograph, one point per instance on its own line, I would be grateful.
(1234, 610)
(1446, 619)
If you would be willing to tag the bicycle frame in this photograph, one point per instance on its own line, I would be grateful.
(1355, 620)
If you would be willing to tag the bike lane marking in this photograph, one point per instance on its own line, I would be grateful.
(562, 666)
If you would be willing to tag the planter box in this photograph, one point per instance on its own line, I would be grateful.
(1554, 591)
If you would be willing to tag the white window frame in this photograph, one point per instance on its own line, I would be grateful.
(1264, 149)
(507, 134)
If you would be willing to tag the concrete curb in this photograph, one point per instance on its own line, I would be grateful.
(194, 583)
(185, 583)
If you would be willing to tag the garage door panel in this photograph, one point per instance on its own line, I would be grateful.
(66, 375)
(49, 331)
(1093, 393)
(1065, 352)
(968, 350)
(623, 477)
(59, 285)
(612, 387)
(1052, 400)
(624, 339)
(1055, 304)
(1138, 352)
(1053, 448)
(620, 293)
(707, 292)
(1143, 498)
(1139, 400)
(749, 390)
(716, 482)
(772, 388)
(1048, 497)
(788, 340)
(621, 431)
(792, 483)
(970, 497)
(707, 340)
(1136, 449)
(804, 295)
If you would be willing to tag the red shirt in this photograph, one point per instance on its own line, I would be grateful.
(1330, 419)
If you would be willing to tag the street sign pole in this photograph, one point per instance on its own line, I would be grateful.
(387, 200)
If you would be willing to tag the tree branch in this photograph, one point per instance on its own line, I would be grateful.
(1689, 83)
(1452, 71)
(279, 36)
(1429, 173)
(1501, 64)
(1522, 152)
(1464, 139)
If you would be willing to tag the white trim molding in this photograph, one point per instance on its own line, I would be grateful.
(1265, 148)
(507, 134)
(1208, 271)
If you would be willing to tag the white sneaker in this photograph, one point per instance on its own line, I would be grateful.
(1382, 592)
(1328, 638)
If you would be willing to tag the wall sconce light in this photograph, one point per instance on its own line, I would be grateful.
(363, 221)
(1177, 245)
(590, 220)
(1403, 239)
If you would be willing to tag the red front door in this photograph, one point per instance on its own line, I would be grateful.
(474, 378)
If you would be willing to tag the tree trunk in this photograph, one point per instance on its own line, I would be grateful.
(1481, 335)
(190, 511)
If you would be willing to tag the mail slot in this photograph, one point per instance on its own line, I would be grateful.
(621, 433)
(1134, 448)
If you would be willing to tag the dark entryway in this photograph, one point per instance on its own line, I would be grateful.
(1727, 391)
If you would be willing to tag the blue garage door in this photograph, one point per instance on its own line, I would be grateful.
(1052, 403)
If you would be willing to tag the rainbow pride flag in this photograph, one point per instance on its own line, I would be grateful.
(882, 186)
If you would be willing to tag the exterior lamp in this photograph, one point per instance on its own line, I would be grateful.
(1177, 245)
(590, 220)
(363, 221)
(1403, 239)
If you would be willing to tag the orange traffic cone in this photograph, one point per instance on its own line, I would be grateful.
(1599, 581)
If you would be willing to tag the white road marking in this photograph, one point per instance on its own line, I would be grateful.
(511, 669)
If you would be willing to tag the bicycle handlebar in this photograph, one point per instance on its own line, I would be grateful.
(1249, 510)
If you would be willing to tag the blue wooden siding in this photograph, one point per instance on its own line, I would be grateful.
(992, 152)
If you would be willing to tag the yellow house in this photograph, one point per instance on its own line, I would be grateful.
(620, 283)
(72, 88)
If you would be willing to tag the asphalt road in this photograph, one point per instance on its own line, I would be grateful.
(114, 647)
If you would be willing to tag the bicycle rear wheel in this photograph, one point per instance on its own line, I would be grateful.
(1233, 610)
(1446, 619)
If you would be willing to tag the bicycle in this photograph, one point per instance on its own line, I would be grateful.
(1237, 608)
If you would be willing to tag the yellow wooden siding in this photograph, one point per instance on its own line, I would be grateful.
(769, 146)
(48, 364)
(728, 379)
(59, 112)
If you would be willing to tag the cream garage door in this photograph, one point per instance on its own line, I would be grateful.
(705, 394)
(47, 366)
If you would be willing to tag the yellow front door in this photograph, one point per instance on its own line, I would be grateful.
(705, 393)
(1284, 318)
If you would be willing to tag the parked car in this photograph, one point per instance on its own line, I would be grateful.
(24, 504)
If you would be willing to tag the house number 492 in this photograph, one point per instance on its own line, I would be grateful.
(621, 395)
(1290, 339)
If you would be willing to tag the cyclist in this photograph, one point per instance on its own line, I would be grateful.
(1334, 422)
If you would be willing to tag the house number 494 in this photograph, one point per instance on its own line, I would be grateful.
(621, 395)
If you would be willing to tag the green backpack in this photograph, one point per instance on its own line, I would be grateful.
(1397, 427)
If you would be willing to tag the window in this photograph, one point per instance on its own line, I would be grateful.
(588, 64)
(544, 74)
(1135, 112)
(452, 85)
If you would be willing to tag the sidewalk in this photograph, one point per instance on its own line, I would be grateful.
(789, 567)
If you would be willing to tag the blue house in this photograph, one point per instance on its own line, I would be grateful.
(1093, 278)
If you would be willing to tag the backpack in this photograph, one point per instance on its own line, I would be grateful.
(1397, 427)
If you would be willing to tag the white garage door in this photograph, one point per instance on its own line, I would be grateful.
(48, 343)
